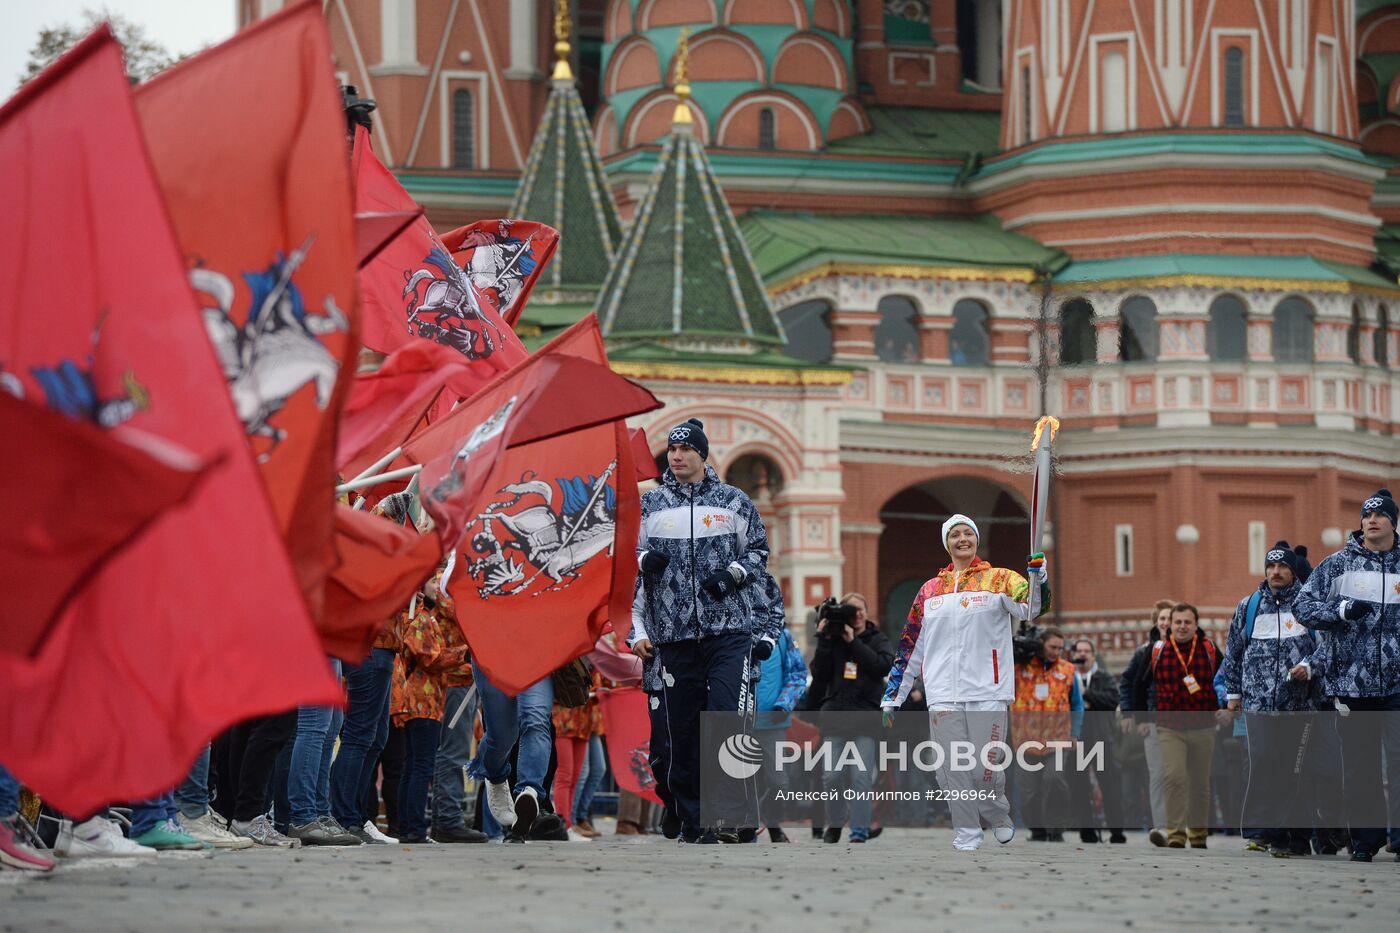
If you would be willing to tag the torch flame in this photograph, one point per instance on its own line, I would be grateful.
(1054, 424)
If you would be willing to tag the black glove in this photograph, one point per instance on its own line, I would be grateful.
(1354, 609)
(763, 650)
(719, 584)
(653, 563)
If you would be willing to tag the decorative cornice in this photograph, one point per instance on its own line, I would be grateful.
(1227, 282)
(951, 273)
(690, 372)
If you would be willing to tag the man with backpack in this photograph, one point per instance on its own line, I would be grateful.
(1266, 673)
(1181, 670)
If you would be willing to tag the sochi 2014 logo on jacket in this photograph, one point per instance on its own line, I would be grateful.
(554, 541)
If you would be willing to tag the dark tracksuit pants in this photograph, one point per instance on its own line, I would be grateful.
(697, 676)
(1363, 733)
(1275, 801)
(261, 740)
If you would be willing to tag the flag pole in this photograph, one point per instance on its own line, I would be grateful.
(379, 464)
(389, 477)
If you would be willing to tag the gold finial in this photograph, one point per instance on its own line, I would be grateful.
(562, 71)
(683, 115)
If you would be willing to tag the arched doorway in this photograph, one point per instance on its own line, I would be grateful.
(911, 550)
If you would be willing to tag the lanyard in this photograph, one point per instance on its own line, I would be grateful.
(1186, 661)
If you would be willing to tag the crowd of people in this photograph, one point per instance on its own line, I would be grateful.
(1193, 729)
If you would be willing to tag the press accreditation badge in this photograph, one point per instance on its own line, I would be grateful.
(851, 671)
(1042, 691)
(1191, 686)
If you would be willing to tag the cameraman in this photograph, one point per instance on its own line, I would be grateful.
(848, 675)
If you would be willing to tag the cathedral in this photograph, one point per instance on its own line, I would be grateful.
(870, 242)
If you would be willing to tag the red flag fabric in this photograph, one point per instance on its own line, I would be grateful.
(627, 728)
(198, 623)
(540, 501)
(375, 231)
(384, 405)
(503, 259)
(382, 563)
(78, 494)
(641, 455)
(248, 142)
(412, 289)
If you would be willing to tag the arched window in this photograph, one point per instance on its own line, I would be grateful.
(463, 129)
(970, 343)
(1234, 86)
(1354, 335)
(767, 130)
(1293, 331)
(897, 335)
(808, 329)
(757, 475)
(1225, 331)
(1381, 338)
(1137, 330)
(1077, 343)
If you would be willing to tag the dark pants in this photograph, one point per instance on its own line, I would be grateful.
(1110, 781)
(1363, 734)
(420, 756)
(1274, 800)
(391, 766)
(262, 741)
(697, 677)
(1044, 794)
(659, 756)
(362, 738)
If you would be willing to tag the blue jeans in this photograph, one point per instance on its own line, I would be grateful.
(9, 794)
(595, 766)
(862, 781)
(150, 813)
(309, 761)
(420, 754)
(525, 717)
(363, 737)
(192, 796)
(453, 754)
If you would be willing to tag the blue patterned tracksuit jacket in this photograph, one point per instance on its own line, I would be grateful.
(1362, 656)
(703, 528)
(1256, 665)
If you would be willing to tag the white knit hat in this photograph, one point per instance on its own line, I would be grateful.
(956, 520)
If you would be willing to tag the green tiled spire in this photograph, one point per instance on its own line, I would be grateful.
(683, 272)
(563, 185)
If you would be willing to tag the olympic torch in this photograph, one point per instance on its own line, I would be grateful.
(1041, 445)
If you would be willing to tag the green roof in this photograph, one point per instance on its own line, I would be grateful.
(911, 131)
(1386, 66)
(683, 270)
(653, 352)
(473, 183)
(564, 186)
(1388, 247)
(1284, 268)
(789, 165)
(787, 243)
(1125, 145)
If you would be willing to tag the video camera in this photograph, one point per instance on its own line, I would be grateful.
(1026, 644)
(834, 612)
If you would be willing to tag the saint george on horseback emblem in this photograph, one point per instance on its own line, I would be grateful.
(498, 262)
(443, 307)
(553, 542)
(70, 388)
(277, 349)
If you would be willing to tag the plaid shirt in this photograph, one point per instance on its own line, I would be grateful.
(1167, 675)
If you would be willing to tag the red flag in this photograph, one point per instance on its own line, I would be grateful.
(412, 289)
(628, 728)
(641, 455)
(77, 495)
(248, 142)
(381, 564)
(384, 405)
(375, 231)
(537, 512)
(198, 623)
(503, 259)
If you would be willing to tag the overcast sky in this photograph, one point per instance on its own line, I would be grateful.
(179, 25)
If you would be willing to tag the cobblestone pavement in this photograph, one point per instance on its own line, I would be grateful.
(906, 879)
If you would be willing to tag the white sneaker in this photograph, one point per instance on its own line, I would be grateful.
(502, 805)
(261, 831)
(98, 837)
(206, 828)
(967, 840)
(374, 832)
(1004, 834)
(576, 836)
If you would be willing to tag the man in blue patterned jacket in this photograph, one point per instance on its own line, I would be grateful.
(1354, 596)
(701, 545)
